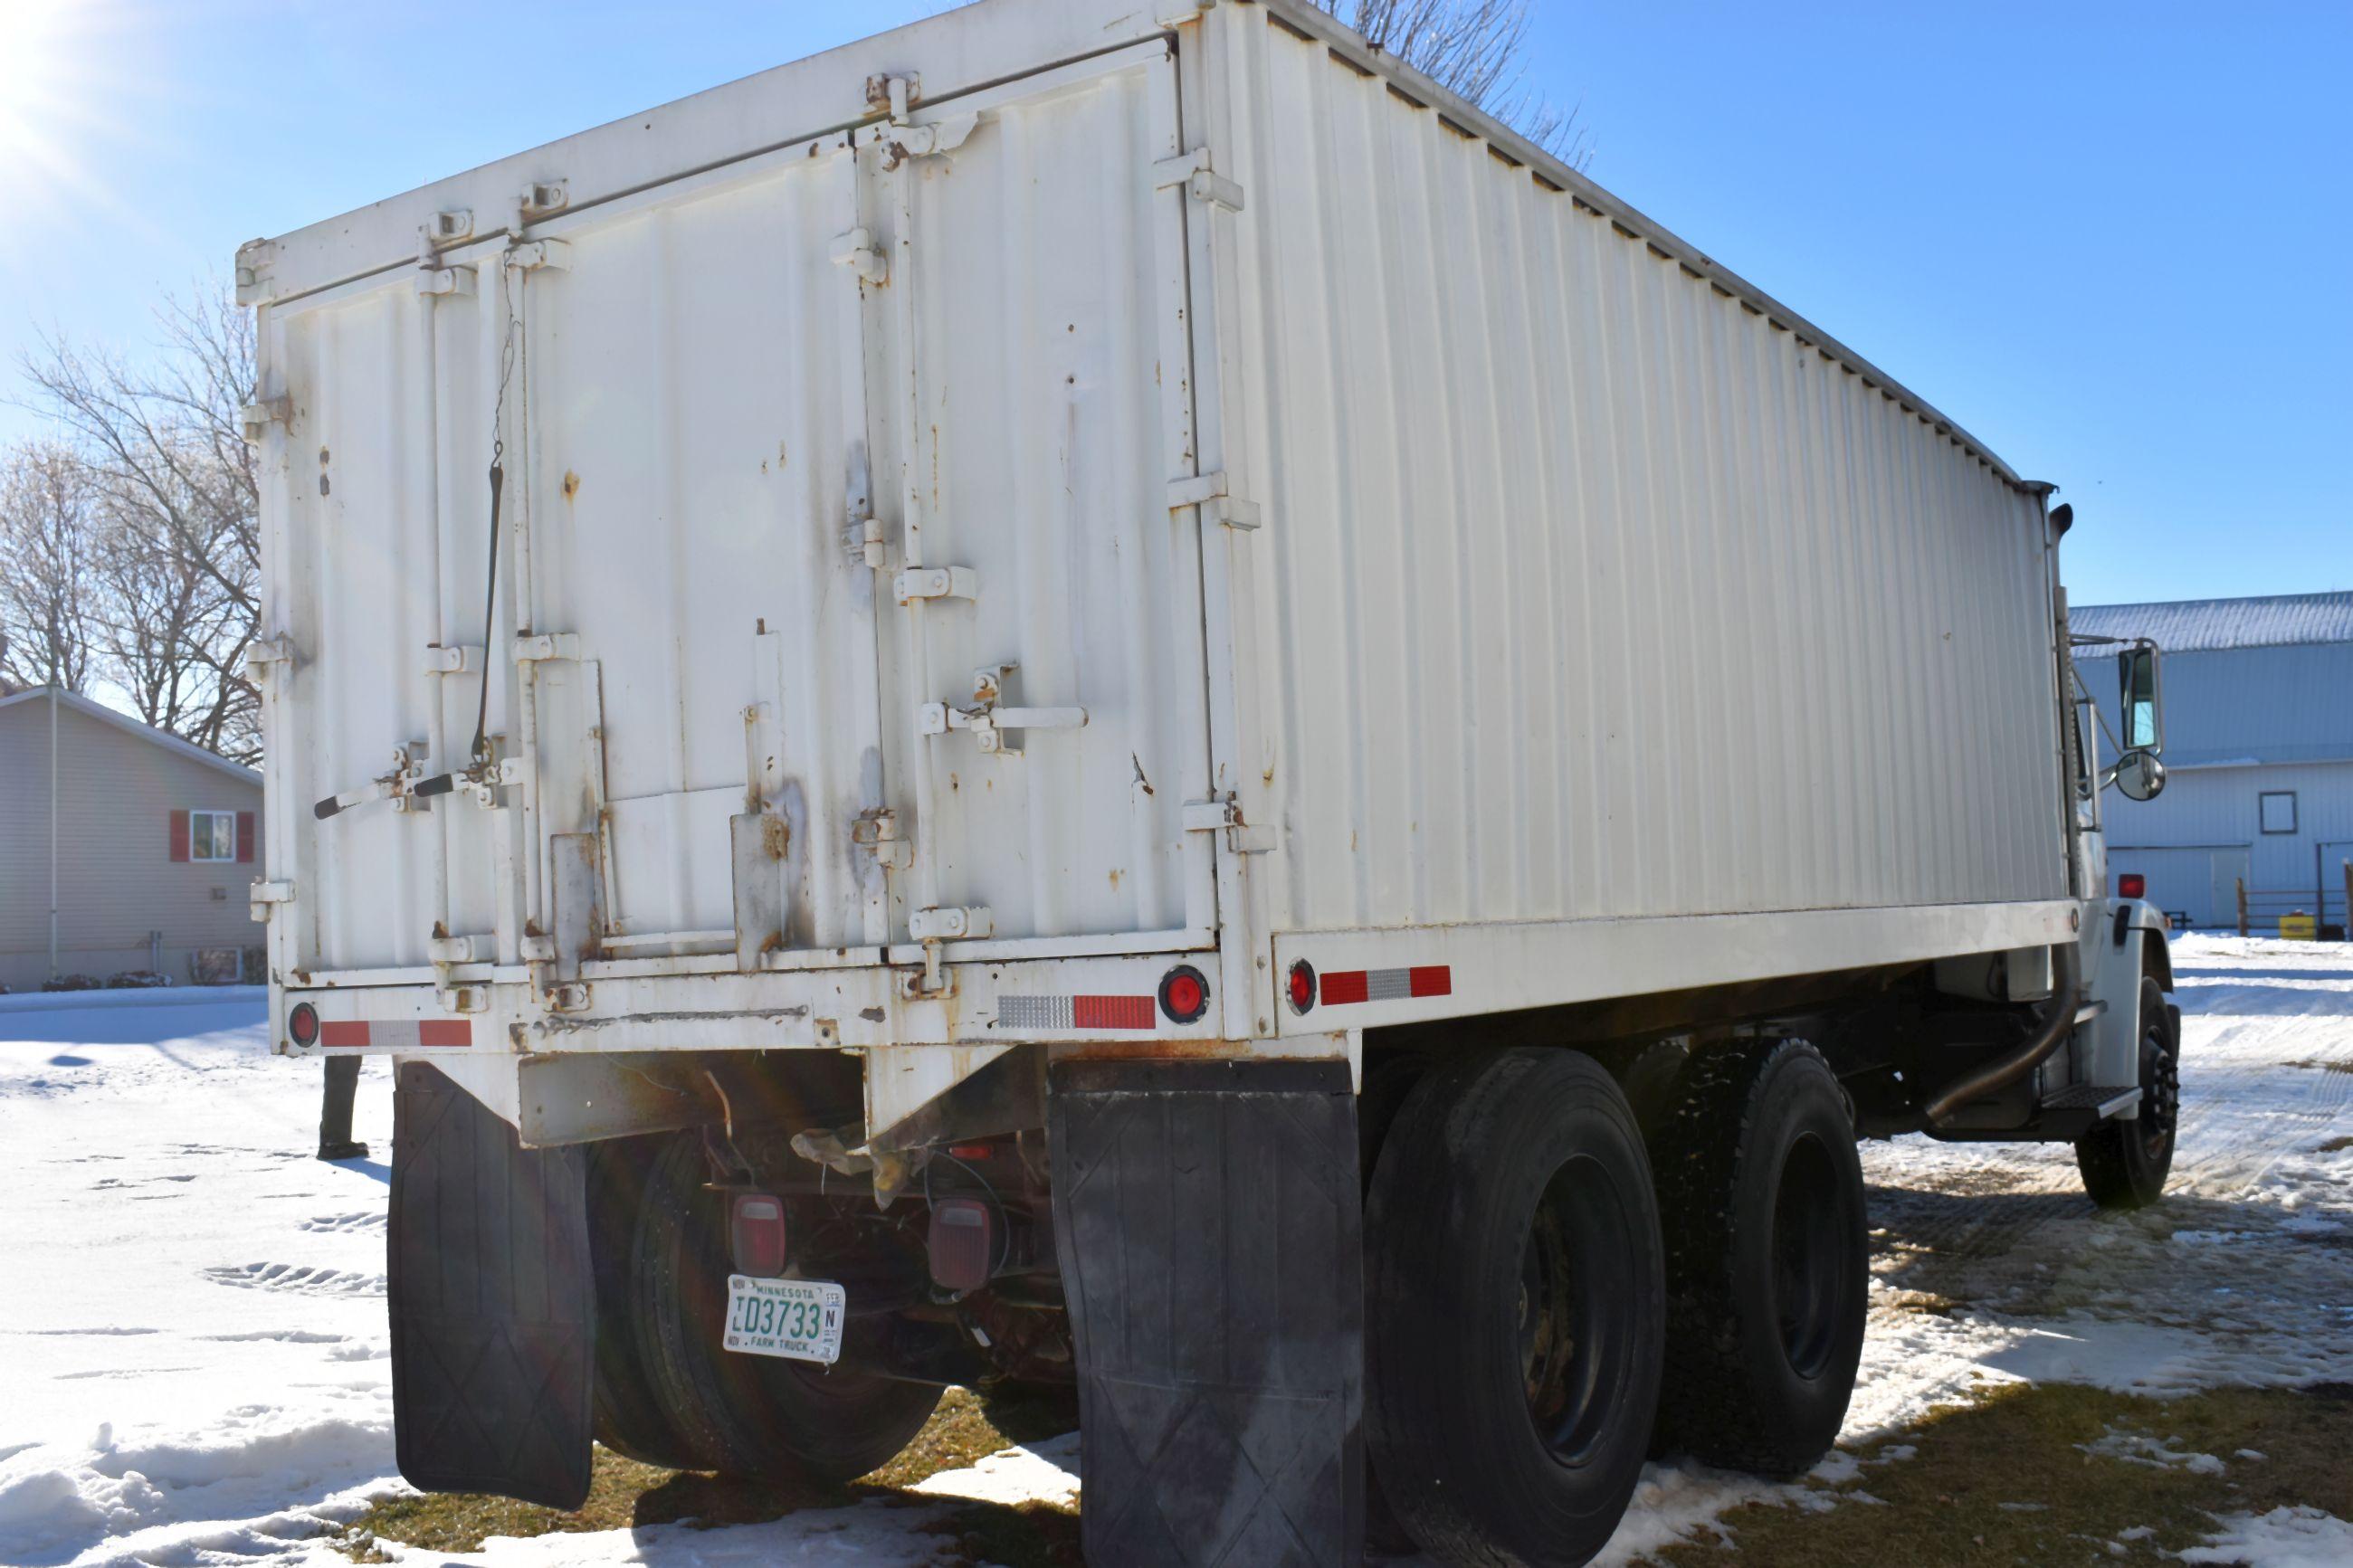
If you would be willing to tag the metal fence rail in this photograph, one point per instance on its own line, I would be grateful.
(2319, 909)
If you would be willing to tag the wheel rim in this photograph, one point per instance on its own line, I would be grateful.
(2160, 1089)
(1807, 1209)
(1575, 1311)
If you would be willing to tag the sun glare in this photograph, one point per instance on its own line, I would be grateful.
(58, 99)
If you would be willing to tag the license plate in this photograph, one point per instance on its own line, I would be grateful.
(797, 1319)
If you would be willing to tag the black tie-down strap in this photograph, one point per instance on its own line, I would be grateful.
(1209, 1228)
(493, 1303)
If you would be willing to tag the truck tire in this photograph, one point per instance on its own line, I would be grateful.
(2125, 1164)
(1514, 1313)
(753, 1416)
(629, 1418)
(1760, 1196)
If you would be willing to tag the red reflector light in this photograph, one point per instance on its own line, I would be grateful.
(1183, 994)
(972, 1151)
(1111, 1013)
(963, 1243)
(303, 1024)
(1302, 986)
(2131, 885)
(756, 1234)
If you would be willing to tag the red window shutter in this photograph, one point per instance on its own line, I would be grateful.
(179, 836)
(245, 837)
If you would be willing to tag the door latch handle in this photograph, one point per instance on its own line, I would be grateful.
(996, 719)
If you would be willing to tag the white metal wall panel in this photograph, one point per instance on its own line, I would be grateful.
(1584, 590)
(1027, 294)
(361, 502)
(686, 383)
(2204, 805)
(700, 400)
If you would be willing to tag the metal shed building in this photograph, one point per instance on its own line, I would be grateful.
(2259, 750)
(155, 841)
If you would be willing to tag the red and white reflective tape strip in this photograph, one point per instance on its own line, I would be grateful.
(1345, 985)
(397, 1034)
(1076, 1013)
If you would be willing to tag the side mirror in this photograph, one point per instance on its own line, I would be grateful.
(2139, 776)
(2144, 715)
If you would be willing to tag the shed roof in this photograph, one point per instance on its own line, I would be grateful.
(2206, 626)
(124, 721)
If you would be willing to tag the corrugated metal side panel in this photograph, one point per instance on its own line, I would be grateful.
(1584, 590)
(2286, 704)
(2199, 625)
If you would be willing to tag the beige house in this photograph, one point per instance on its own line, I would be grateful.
(155, 842)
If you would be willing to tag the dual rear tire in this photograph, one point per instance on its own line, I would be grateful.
(1538, 1297)
(667, 1394)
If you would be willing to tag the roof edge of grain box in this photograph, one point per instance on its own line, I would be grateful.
(1174, 486)
(775, 108)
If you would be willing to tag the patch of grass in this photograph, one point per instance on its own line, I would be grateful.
(624, 1494)
(2049, 1453)
(2335, 1145)
(2318, 1065)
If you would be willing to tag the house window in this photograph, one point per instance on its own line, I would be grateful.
(212, 836)
(2277, 809)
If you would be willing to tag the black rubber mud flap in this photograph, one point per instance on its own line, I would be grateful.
(493, 1301)
(1208, 1220)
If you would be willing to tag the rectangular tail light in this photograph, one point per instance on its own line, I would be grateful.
(2131, 885)
(756, 1234)
(963, 1243)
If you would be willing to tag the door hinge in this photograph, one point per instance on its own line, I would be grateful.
(452, 659)
(878, 830)
(858, 251)
(901, 142)
(537, 647)
(455, 282)
(936, 583)
(1213, 494)
(461, 948)
(262, 654)
(262, 897)
(255, 257)
(532, 254)
(1226, 817)
(996, 718)
(863, 541)
(257, 417)
(951, 924)
(1202, 183)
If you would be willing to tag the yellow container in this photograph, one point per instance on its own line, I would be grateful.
(2299, 926)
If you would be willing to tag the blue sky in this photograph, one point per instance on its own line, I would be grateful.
(2108, 239)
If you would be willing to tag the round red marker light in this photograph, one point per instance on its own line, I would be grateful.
(1302, 986)
(302, 1024)
(1183, 994)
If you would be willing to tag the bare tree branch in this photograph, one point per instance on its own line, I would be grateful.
(1477, 49)
(173, 569)
(47, 569)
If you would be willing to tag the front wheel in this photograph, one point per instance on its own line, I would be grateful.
(1512, 1316)
(2125, 1164)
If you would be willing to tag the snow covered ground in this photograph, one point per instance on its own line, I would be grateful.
(192, 1356)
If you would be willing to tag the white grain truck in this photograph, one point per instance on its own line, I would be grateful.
(1016, 701)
